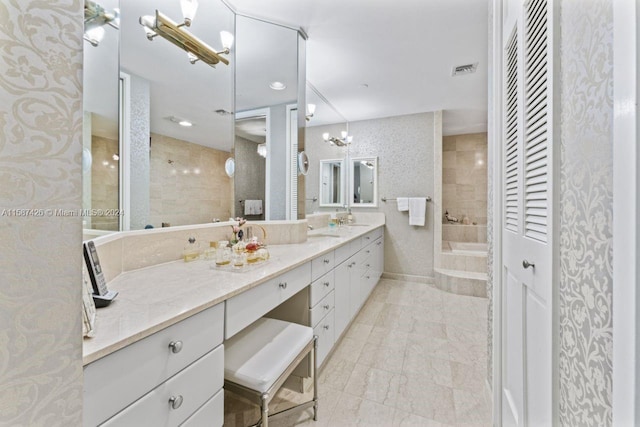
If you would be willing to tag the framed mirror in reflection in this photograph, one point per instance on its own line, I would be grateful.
(332, 183)
(364, 181)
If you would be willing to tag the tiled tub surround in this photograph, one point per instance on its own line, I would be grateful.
(158, 296)
(464, 176)
(463, 272)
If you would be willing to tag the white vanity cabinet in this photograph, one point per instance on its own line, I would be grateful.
(155, 378)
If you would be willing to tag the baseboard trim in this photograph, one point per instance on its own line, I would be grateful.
(409, 278)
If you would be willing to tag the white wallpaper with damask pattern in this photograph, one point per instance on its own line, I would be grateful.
(40, 256)
(586, 211)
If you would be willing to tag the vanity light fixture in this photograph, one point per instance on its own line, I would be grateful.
(311, 109)
(340, 142)
(262, 150)
(95, 18)
(197, 50)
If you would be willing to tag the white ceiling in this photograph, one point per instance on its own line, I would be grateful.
(404, 50)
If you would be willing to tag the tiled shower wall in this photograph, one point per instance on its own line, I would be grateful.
(464, 176)
(104, 182)
(188, 183)
(40, 255)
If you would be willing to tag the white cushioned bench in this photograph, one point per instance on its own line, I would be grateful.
(259, 359)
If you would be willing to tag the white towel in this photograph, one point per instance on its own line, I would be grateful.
(403, 204)
(253, 207)
(417, 210)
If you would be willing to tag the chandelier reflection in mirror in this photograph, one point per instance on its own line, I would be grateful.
(197, 50)
(95, 18)
(345, 139)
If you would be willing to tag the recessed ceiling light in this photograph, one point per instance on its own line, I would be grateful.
(277, 86)
(364, 86)
(185, 123)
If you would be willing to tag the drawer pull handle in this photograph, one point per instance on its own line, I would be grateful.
(368, 251)
(368, 265)
(379, 243)
(368, 277)
(175, 346)
(326, 306)
(283, 285)
(326, 284)
(176, 401)
(326, 327)
(367, 237)
(326, 261)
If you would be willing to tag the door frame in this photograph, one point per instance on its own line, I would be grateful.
(626, 241)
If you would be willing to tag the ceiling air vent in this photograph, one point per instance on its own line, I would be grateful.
(464, 69)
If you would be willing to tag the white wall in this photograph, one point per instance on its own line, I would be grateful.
(404, 146)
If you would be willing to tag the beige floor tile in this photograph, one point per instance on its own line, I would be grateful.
(455, 333)
(429, 347)
(468, 377)
(369, 313)
(374, 384)
(416, 362)
(386, 358)
(387, 337)
(421, 396)
(359, 331)
(349, 349)
(353, 411)
(335, 373)
(406, 419)
(471, 407)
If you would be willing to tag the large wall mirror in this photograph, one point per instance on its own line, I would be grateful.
(267, 67)
(159, 128)
(364, 182)
(101, 145)
(332, 183)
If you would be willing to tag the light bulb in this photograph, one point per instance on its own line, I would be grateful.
(189, 8)
(325, 136)
(344, 134)
(227, 40)
(311, 108)
(148, 21)
(349, 139)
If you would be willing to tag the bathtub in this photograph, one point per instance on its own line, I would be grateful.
(468, 248)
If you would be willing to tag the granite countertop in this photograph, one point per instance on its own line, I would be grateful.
(153, 298)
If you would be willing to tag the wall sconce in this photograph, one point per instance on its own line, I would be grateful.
(95, 18)
(262, 150)
(311, 108)
(197, 50)
(340, 142)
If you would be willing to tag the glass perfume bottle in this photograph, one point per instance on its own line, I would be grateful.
(191, 250)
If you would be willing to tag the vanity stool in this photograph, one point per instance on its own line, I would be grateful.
(259, 359)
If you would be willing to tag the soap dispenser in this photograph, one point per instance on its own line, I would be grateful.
(191, 250)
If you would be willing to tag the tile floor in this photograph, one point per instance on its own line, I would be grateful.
(413, 356)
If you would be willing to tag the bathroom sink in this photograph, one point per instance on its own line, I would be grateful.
(358, 225)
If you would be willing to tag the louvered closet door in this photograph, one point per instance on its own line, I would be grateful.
(527, 254)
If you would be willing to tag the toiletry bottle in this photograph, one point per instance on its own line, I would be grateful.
(191, 250)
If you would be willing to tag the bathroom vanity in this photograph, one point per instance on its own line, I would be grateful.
(158, 354)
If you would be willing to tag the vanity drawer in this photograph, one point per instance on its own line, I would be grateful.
(211, 414)
(371, 236)
(192, 387)
(321, 265)
(116, 380)
(247, 307)
(322, 308)
(325, 333)
(321, 287)
(343, 253)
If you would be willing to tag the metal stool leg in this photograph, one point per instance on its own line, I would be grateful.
(264, 409)
(315, 378)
